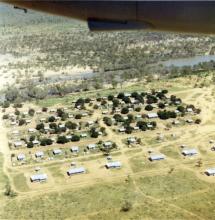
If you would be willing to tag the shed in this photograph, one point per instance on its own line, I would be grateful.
(121, 129)
(39, 154)
(189, 110)
(156, 157)
(31, 130)
(39, 177)
(83, 135)
(74, 149)
(61, 126)
(189, 121)
(107, 144)
(28, 121)
(113, 164)
(21, 157)
(57, 151)
(18, 143)
(152, 115)
(131, 140)
(69, 137)
(210, 172)
(16, 132)
(35, 142)
(189, 152)
(77, 170)
(91, 146)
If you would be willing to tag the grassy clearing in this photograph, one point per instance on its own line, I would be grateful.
(178, 183)
(201, 204)
(133, 151)
(3, 177)
(142, 163)
(96, 202)
(56, 172)
(20, 182)
(170, 151)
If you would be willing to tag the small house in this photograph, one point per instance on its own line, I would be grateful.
(74, 149)
(21, 157)
(89, 123)
(71, 116)
(189, 110)
(152, 115)
(39, 154)
(189, 152)
(39, 177)
(210, 172)
(91, 146)
(105, 112)
(189, 121)
(18, 143)
(28, 121)
(16, 132)
(42, 119)
(113, 164)
(156, 157)
(107, 144)
(77, 170)
(13, 123)
(31, 130)
(68, 137)
(131, 140)
(61, 126)
(121, 129)
(57, 151)
(138, 116)
(46, 128)
(35, 142)
(83, 135)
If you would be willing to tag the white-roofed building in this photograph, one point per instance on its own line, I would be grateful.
(156, 157)
(210, 172)
(57, 151)
(39, 154)
(77, 170)
(152, 115)
(74, 149)
(18, 143)
(189, 152)
(113, 164)
(21, 157)
(39, 177)
(91, 146)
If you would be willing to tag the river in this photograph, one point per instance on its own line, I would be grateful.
(190, 61)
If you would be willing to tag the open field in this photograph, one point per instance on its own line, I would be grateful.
(174, 188)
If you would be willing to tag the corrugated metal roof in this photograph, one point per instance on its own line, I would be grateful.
(74, 148)
(76, 170)
(21, 156)
(39, 154)
(157, 157)
(39, 177)
(113, 164)
(152, 115)
(210, 171)
(190, 151)
(57, 151)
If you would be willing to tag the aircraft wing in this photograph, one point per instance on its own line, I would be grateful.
(177, 16)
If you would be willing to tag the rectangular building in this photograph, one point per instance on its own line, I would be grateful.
(189, 152)
(114, 164)
(39, 177)
(77, 170)
(210, 172)
(156, 157)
